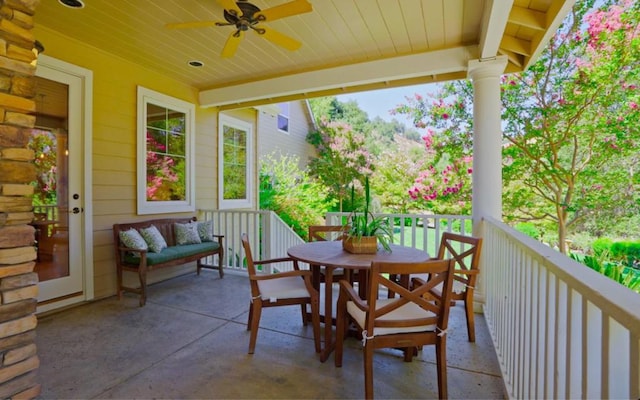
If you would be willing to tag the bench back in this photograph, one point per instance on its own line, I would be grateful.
(164, 225)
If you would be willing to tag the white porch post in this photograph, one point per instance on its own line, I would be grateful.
(487, 150)
(487, 138)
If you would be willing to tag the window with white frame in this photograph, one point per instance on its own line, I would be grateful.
(235, 162)
(283, 117)
(166, 131)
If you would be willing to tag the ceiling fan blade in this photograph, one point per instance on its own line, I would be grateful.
(285, 10)
(281, 39)
(193, 24)
(232, 44)
(230, 5)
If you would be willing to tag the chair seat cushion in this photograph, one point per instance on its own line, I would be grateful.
(291, 287)
(458, 287)
(407, 311)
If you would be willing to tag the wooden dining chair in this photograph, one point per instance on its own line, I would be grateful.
(328, 233)
(465, 250)
(413, 318)
(280, 289)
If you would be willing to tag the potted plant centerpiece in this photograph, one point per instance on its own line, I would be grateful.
(364, 231)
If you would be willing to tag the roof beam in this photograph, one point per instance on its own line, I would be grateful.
(554, 16)
(529, 18)
(516, 45)
(360, 75)
(515, 59)
(494, 23)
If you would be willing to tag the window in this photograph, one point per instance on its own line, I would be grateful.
(283, 117)
(166, 130)
(235, 163)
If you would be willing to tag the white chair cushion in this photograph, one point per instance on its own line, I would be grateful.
(291, 287)
(458, 287)
(407, 311)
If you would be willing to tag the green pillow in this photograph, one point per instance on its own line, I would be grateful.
(205, 231)
(131, 238)
(154, 238)
(187, 233)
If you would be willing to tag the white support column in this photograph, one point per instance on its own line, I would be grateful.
(487, 151)
(487, 138)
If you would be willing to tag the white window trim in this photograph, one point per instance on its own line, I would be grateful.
(225, 120)
(162, 207)
(287, 116)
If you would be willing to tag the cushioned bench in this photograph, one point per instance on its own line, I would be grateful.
(139, 249)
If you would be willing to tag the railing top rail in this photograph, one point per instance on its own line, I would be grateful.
(440, 216)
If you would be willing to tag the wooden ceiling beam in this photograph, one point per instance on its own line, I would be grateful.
(513, 58)
(529, 18)
(516, 45)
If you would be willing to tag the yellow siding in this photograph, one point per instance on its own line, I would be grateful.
(115, 82)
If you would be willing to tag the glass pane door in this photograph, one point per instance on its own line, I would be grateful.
(49, 141)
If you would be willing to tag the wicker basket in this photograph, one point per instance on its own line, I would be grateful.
(361, 245)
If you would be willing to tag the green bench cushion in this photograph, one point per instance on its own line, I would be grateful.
(172, 253)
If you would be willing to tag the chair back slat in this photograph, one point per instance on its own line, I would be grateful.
(436, 305)
(465, 250)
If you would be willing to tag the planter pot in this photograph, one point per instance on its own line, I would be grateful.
(362, 245)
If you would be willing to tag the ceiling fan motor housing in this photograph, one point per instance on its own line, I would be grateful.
(248, 11)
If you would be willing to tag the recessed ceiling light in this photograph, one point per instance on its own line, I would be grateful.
(72, 3)
(196, 63)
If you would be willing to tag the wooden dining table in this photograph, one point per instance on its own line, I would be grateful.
(331, 255)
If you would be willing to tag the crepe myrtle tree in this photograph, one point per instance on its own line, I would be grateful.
(443, 184)
(569, 122)
(342, 158)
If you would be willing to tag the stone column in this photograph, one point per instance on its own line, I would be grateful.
(18, 283)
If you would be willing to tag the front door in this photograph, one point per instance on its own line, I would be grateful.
(58, 199)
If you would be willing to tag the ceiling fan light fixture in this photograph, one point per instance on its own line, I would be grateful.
(72, 3)
(195, 63)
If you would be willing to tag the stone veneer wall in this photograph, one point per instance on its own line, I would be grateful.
(18, 283)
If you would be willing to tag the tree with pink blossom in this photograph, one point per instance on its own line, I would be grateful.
(165, 173)
(570, 125)
(342, 158)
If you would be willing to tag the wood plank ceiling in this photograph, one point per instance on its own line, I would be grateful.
(347, 45)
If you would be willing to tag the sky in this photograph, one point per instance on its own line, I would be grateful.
(377, 103)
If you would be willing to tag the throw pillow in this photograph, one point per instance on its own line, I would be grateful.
(205, 231)
(186, 233)
(154, 239)
(132, 239)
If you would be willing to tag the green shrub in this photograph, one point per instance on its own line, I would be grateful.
(601, 246)
(627, 252)
(629, 277)
(292, 194)
(528, 229)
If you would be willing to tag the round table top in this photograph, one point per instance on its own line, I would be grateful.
(331, 254)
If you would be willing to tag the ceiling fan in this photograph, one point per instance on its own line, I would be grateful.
(244, 16)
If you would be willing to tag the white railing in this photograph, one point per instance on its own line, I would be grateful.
(269, 236)
(560, 329)
(421, 231)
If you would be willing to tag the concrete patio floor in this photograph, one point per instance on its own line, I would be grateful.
(190, 341)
